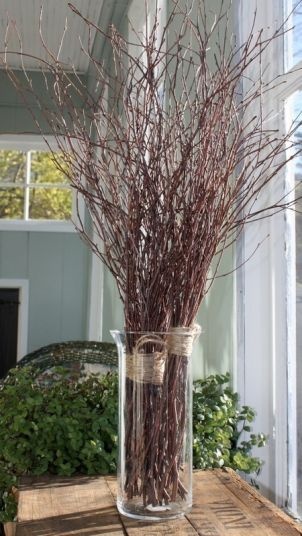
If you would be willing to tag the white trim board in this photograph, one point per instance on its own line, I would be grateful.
(95, 302)
(263, 287)
(23, 286)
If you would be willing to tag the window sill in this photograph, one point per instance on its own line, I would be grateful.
(49, 226)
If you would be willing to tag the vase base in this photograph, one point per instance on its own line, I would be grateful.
(149, 513)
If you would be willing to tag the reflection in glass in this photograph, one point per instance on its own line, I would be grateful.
(43, 190)
(12, 167)
(294, 37)
(50, 203)
(43, 169)
(11, 203)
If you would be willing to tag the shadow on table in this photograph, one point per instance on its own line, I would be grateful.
(91, 523)
(33, 482)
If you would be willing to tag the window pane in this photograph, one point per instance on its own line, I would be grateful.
(43, 169)
(294, 37)
(12, 167)
(11, 203)
(50, 203)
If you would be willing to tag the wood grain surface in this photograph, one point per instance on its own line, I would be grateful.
(224, 505)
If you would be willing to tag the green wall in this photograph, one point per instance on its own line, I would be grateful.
(56, 266)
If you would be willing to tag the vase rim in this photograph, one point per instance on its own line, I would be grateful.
(185, 331)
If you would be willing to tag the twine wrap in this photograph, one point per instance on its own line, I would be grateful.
(181, 339)
(144, 367)
(147, 368)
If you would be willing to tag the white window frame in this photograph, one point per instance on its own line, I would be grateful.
(266, 361)
(38, 143)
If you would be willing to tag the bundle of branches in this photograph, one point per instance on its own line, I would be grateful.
(170, 159)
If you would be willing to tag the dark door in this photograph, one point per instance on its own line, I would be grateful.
(9, 303)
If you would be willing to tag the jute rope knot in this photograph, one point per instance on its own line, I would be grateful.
(143, 367)
(147, 368)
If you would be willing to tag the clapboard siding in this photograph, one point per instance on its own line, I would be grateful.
(57, 267)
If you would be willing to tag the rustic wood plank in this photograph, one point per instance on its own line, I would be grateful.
(215, 513)
(71, 506)
(168, 528)
(256, 502)
(222, 506)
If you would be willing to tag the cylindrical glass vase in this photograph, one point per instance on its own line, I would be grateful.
(155, 423)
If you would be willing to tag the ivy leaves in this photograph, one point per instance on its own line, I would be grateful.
(62, 428)
(221, 428)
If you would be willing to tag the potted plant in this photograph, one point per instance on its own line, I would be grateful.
(170, 158)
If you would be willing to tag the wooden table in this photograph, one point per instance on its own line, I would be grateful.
(224, 505)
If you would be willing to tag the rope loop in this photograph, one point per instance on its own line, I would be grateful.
(144, 367)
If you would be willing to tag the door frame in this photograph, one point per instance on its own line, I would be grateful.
(23, 286)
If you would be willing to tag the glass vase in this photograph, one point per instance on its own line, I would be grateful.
(155, 423)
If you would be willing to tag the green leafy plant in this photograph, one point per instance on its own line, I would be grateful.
(61, 424)
(61, 427)
(222, 429)
(8, 499)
